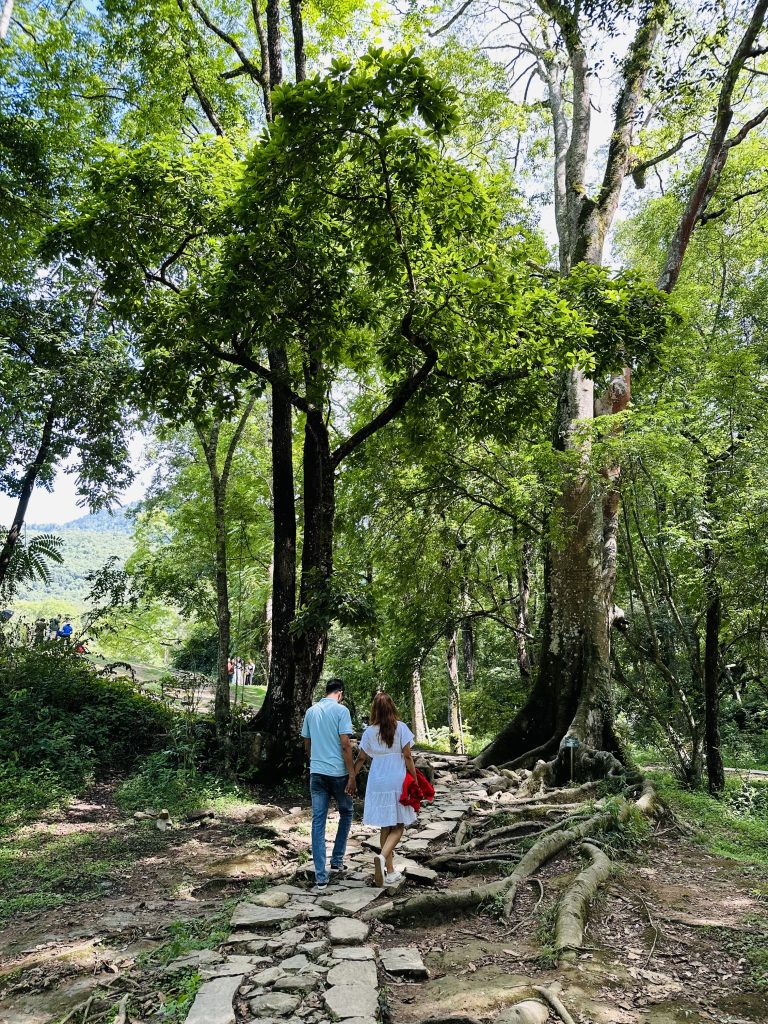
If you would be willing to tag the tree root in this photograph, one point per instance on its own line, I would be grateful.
(565, 795)
(546, 846)
(574, 906)
(489, 862)
(482, 840)
(537, 994)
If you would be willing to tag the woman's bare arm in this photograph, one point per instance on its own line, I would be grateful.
(407, 754)
(362, 757)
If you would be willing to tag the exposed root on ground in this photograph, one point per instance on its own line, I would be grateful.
(574, 906)
(486, 838)
(549, 844)
(536, 995)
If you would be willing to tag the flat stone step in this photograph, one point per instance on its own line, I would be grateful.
(274, 1003)
(250, 915)
(345, 1001)
(343, 930)
(213, 1002)
(352, 972)
(351, 901)
(353, 953)
(404, 960)
(234, 965)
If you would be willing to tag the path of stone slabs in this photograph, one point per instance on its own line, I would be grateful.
(298, 958)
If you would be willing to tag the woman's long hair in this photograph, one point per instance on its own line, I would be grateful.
(384, 714)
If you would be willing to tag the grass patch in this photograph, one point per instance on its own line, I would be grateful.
(161, 782)
(43, 871)
(720, 824)
(547, 957)
(187, 936)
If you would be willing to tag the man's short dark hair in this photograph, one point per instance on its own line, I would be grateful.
(334, 686)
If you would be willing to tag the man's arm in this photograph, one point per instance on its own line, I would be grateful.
(349, 760)
(308, 748)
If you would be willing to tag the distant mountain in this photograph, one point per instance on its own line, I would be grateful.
(88, 542)
(118, 521)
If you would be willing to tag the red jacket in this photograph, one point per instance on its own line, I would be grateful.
(416, 790)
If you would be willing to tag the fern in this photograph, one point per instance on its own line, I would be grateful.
(31, 560)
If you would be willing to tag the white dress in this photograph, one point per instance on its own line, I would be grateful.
(386, 778)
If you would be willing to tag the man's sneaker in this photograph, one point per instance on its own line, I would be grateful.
(393, 877)
(319, 887)
(342, 869)
(379, 870)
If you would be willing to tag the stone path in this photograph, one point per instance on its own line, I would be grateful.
(298, 958)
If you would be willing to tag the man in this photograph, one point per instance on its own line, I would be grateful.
(326, 730)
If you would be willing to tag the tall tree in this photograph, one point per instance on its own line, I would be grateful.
(572, 695)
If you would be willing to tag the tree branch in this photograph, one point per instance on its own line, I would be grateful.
(716, 154)
(247, 63)
(452, 20)
(206, 104)
(637, 170)
(400, 398)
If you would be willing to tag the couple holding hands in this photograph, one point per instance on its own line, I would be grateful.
(393, 791)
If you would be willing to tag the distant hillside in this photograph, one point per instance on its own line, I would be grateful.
(88, 542)
(118, 521)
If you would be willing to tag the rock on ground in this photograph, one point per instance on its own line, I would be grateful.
(213, 1002)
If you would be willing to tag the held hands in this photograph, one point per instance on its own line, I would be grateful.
(351, 789)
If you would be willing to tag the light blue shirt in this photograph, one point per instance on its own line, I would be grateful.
(324, 723)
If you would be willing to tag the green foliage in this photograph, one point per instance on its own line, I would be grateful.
(732, 827)
(61, 725)
(161, 782)
(81, 553)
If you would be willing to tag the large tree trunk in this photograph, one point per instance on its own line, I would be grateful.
(274, 722)
(316, 558)
(222, 712)
(455, 731)
(570, 703)
(572, 694)
(715, 772)
(25, 493)
(267, 652)
(5, 19)
(468, 641)
(418, 711)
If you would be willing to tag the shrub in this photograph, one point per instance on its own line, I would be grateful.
(62, 725)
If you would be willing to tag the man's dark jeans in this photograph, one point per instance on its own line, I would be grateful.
(322, 789)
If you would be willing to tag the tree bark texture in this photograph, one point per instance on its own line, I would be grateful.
(571, 697)
(455, 731)
(274, 720)
(418, 711)
(25, 492)
(713, 619)
(316, 560)
(468, 641)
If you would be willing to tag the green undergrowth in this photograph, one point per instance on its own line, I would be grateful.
(547, 957)
(43, 870)
(162, 782)
(62, 726)
(735, 826)
(187, 936)
(183, 937)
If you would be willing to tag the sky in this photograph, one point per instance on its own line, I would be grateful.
(62, 504)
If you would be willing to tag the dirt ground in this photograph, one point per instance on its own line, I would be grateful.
(671, 939)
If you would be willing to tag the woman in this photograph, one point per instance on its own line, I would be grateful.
(387, 741)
